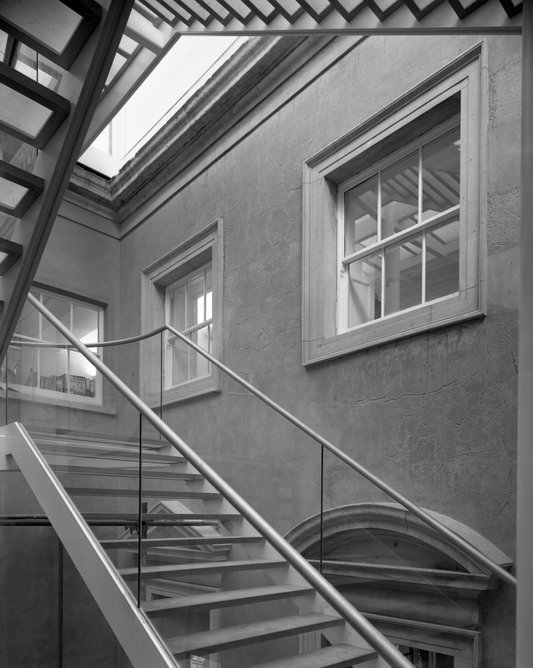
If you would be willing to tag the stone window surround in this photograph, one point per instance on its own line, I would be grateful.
(201, 247)
(334, 165)
(444, 628)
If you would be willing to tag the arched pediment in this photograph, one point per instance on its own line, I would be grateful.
(385, 534)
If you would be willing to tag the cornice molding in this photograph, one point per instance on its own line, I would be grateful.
(219, 105)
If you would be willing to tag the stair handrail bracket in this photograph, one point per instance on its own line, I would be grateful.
(387, 651)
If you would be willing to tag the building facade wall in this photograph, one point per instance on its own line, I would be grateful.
(432, 414)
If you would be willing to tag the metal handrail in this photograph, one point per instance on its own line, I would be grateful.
(352, 616)
(440, 528)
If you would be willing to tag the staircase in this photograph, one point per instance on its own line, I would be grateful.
(217, 593)
(66, 67)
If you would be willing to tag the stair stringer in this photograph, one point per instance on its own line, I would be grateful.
(130, 625)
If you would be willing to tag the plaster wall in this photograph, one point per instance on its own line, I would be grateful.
(47, 616)
(433, 414)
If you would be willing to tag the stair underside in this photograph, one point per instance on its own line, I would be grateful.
(146, 493)
(119, 472)
(99, 452)
(129, 543)
(234, 636)
(186, 518)
(224, 599)
(339, 656)
(199, 568)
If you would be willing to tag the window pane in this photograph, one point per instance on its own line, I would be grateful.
(61, 309)
(442, 260)
(403, 275)
(361, 215)
(364, 290)
(28, 324)
(20, 366)
(441, 174)
(177, 307)
(85, 323)
(198, 365)
(196, 300)
(399, 195)
(179, 363)
(422, 658)
(82, 375)
(208, 293)
(53, 369)
(190, 304)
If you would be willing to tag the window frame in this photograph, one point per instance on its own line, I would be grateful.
(189, 329)
(379, 246)
(189, 256)
(67, 398)
(323, 334)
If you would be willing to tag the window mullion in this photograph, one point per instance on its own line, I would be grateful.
(379, 207)
(194, 328)
(204, 292)
(400, 236)
(342, 269)
(383, 268)
(420, 204)
(40, 335)
(71, 327)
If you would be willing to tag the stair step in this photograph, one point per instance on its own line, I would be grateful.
(338, 656)
(50, 107)
(186, 518)
(121, 472)
(33, 186)
(87, 439)
(234, 636)
(184, 540)
(10, 249)
(146, 493)
(25, 25)
(223, 599)
(199, 568)
(107, 453)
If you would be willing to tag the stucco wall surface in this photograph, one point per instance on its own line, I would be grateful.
(432, 414)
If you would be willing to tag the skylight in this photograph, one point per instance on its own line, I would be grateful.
(183, 71)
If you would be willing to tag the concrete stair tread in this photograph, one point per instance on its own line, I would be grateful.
(146, 493)
(118, 453)
(92, 439)
(201, 567)
(188, 518)
(129, 543)
(222, 599)
(337, 656)
(246, 634)
(121, 472)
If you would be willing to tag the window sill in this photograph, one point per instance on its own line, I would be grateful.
(186, 391)
(444, 313)
(15, 395)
